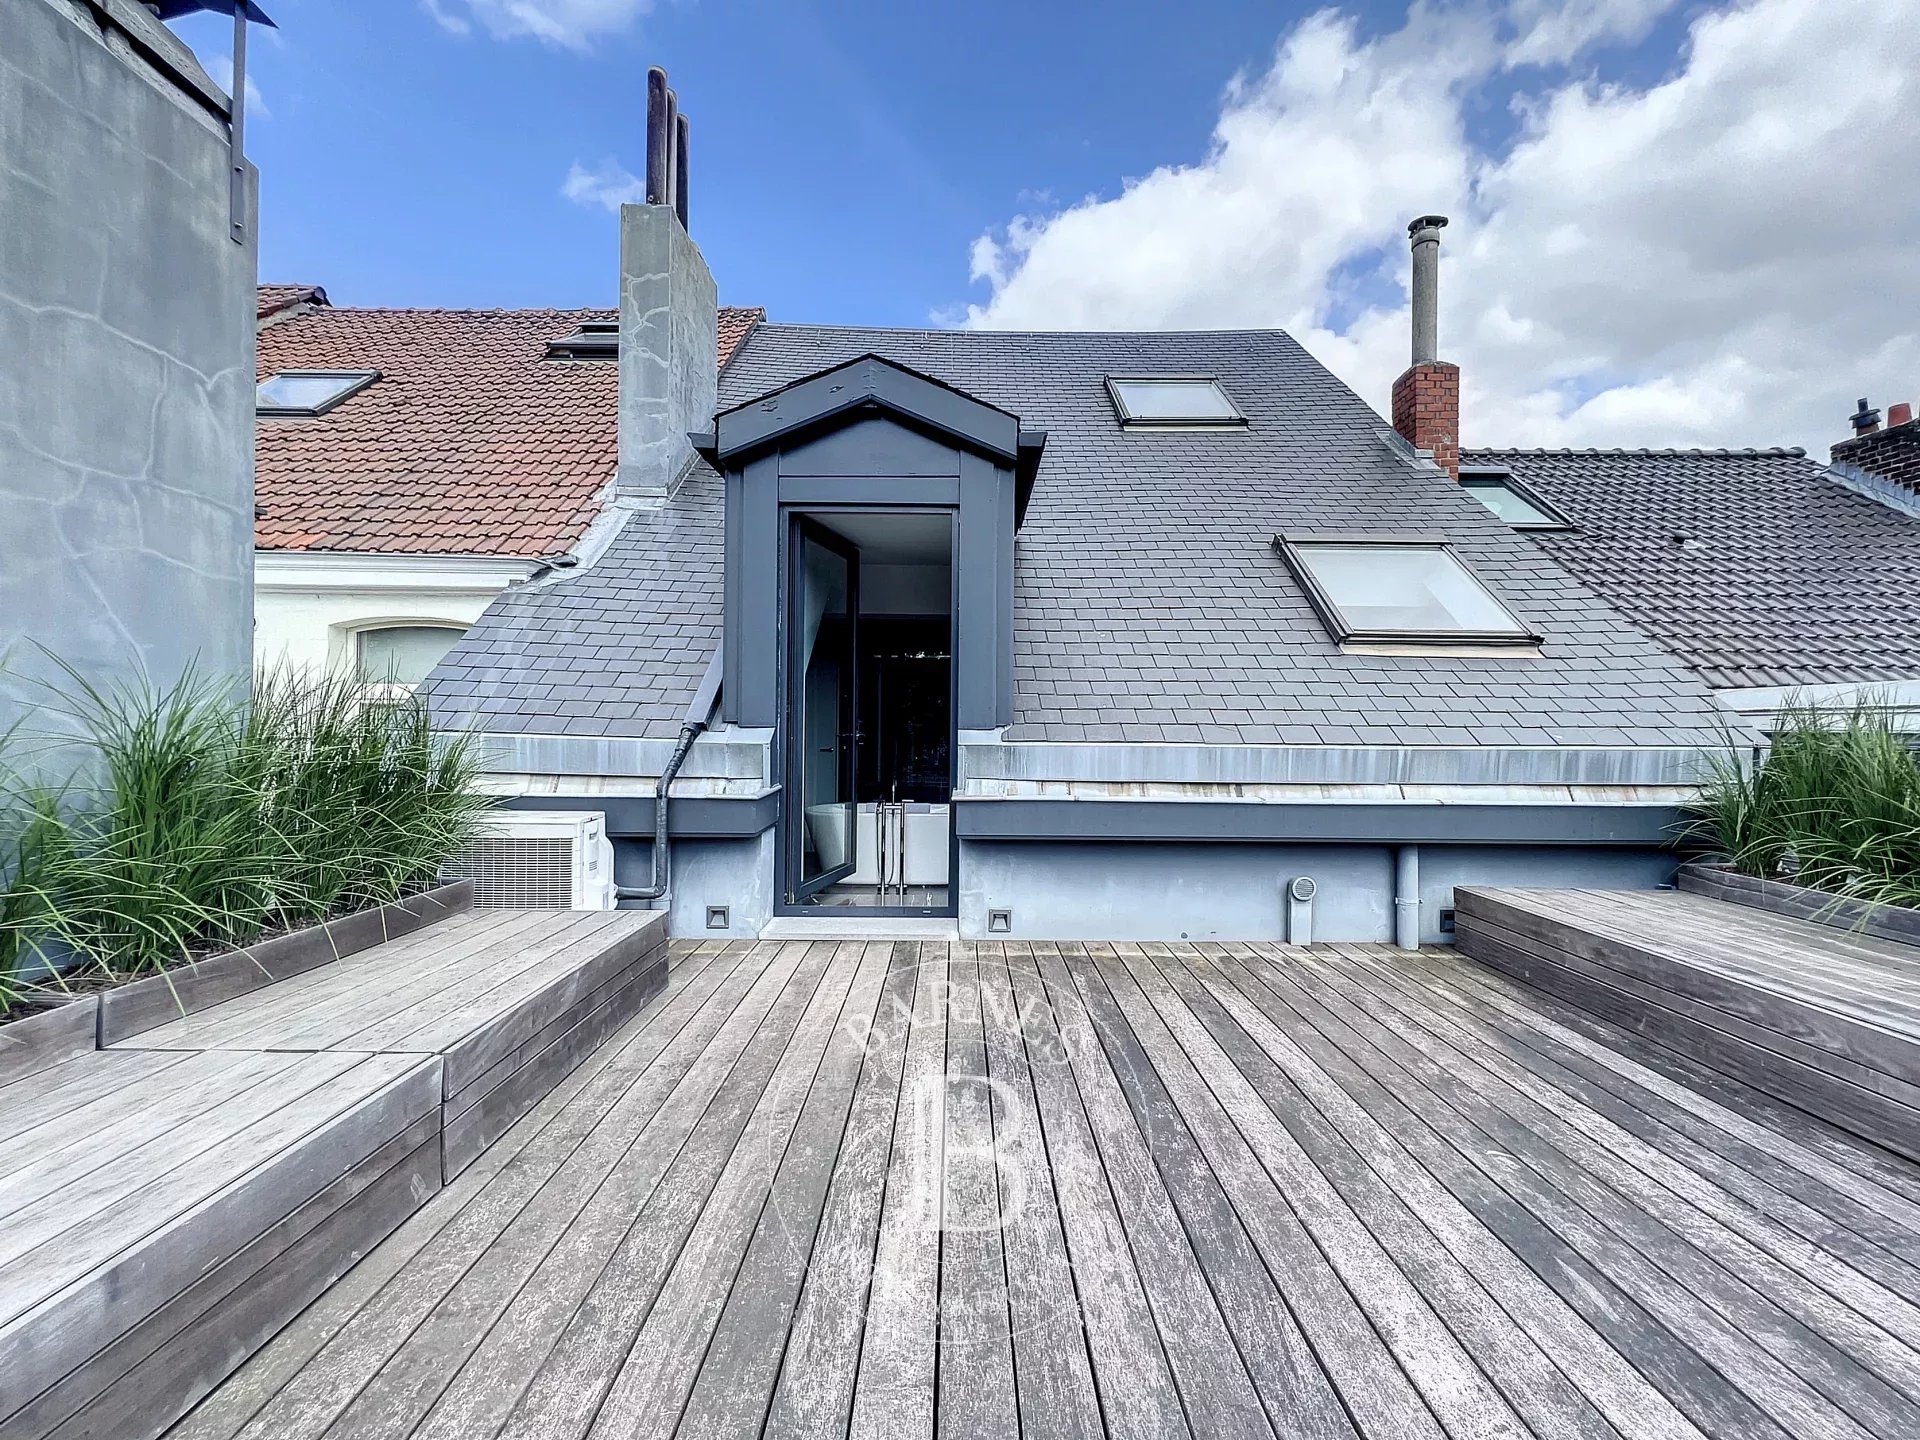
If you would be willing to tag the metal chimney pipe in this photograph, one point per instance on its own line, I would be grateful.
(673, 130)
(680, 171)
(1425, 235)
(658, 148)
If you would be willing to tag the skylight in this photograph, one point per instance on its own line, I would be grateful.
(309, 392)
(1507, 500)
(1172, 400)
(594, 340)
(1398, 589)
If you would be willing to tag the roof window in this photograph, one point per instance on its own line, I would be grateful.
(1181, 402)
(1398, 589)
(1512, 502)
(594, 340)
(309, 392)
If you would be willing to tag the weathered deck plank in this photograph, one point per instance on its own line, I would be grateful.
(1229, 1189)
(899, 1342)
(529, 1186)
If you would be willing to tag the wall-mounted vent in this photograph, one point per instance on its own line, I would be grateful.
(594, 340)
(540, 860)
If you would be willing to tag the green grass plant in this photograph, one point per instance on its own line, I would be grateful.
(199, 819)
(1834, 804)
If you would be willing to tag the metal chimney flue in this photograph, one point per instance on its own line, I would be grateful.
(680, 169)
(1425, 235)
(659, 139)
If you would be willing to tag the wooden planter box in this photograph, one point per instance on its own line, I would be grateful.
(133, 1009)
(1886, 922)
(60, 1027)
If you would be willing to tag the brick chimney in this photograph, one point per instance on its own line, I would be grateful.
(1889, 456)
(1426, 398)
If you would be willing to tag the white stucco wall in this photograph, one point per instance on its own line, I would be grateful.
(308, 607)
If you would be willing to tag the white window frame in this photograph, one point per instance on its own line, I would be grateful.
(353, 382)
(1471, 479)
(393, 689)
(1293, 546)
(1236, 421)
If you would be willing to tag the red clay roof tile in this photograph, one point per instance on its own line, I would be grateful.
(472, 442)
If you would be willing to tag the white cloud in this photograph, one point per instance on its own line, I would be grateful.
(220, 71)
(1551, 31)
(1720, 258)
(570, 23)
(609, 185)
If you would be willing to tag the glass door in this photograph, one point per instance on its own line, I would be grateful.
(822, 707)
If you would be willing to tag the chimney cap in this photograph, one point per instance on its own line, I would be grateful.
(1866, 419)
(1426, 222)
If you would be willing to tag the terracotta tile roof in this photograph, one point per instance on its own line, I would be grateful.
(272, 299)
(472, 442)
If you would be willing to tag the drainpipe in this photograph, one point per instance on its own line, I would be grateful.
(699, 714)
(1406, 897)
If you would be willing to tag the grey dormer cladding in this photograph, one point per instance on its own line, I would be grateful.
(870, 433)
(1148, 605)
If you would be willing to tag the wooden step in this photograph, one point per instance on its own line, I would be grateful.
(162, 1215)
(1825, 1019)
(510, 1000)
(168, 1203)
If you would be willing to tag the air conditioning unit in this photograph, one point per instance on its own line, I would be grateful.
(540, 860)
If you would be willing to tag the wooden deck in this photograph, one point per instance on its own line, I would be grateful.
(169, 1203)
(159, 1212)
(908, 1189)
(1822, 1017)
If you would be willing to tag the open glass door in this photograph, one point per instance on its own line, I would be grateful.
(822, 708)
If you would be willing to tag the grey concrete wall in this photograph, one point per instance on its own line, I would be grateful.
(1236, 891)
(126, 358)
(738, 874)
(669, 366)
(1444, 866)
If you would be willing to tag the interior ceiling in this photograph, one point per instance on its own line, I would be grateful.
(885, 539)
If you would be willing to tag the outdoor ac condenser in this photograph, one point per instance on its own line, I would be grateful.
(540, 860)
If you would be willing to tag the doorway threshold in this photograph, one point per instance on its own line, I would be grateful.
(861, 927)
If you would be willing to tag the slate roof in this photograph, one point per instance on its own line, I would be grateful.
(1787, 578)
(1149, 603)
(472, 442)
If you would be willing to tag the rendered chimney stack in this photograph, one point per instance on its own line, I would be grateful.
(1426, 399)
(668, 309)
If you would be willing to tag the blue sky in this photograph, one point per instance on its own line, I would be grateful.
(1675, 222)
(844, 158)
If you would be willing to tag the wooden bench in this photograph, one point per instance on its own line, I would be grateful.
(169, 1202)
(510, 1000)
(1823, 1018)
(163, 1214)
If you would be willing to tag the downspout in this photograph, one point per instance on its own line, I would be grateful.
(705, 699)
(1406, 897)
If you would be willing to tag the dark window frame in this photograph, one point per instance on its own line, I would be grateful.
(1344, 632)
(1558, 518)
(361, 380)
(1130, 421)
(590, 340)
